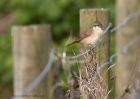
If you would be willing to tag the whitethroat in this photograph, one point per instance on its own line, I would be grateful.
(91, 36)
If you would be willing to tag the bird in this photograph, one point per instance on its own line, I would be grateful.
(89, 37)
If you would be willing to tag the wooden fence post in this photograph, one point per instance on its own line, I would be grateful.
(127, 62)
(31, 47)
(87, 18)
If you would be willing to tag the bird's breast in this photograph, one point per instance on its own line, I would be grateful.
(90, 40)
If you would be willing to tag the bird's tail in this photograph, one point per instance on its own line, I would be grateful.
(72, 43)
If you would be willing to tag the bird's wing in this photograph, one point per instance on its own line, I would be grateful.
(82, 36)
(74, 42)
(86, 34)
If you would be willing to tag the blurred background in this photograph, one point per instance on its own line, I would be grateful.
(63, 15)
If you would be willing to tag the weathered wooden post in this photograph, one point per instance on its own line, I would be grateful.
(87, 18)
(126, 62)
(31, 47)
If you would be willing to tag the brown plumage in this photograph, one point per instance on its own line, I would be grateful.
(90, 36)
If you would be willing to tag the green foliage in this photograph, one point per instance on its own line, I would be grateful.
(5, 59)
(63, 15)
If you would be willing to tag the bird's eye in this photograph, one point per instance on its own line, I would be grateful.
(97, 25)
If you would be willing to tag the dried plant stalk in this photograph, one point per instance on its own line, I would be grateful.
(93, 86)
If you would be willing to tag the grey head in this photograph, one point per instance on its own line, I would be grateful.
(97, 23)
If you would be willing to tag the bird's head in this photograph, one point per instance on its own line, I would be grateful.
(97, 24)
